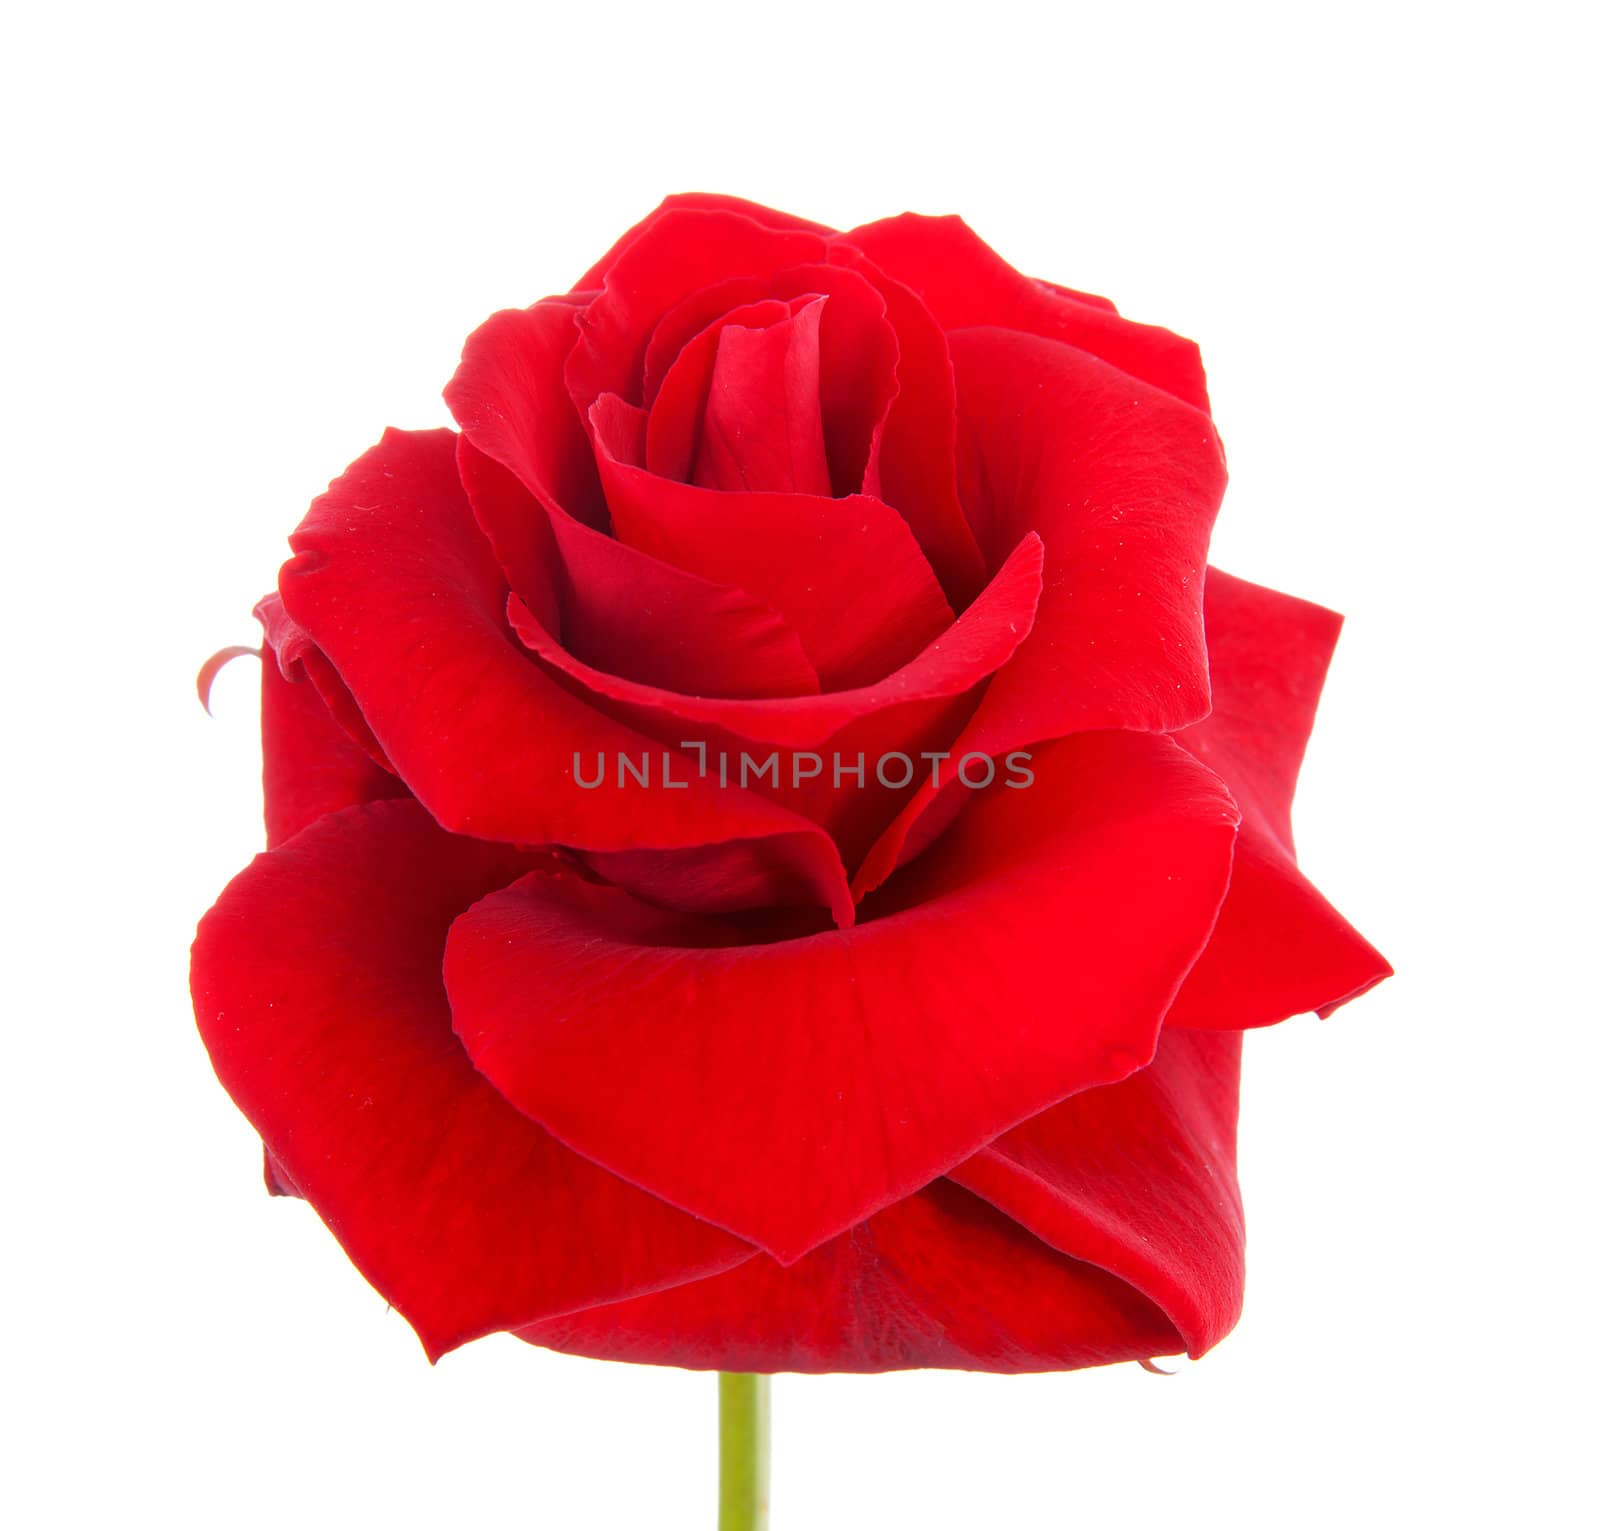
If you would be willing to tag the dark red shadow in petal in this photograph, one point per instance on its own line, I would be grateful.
(940, 1279)
(705, 309)
(917, 454)
(787, 1091)
(979, 643)
(674, 255)
(762, 423)
(1138, 1178)
(858, 374)
(528, 466)
(629, 615)
(846, 575)
(677, 409)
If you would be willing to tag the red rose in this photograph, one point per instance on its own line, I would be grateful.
(774, 1060)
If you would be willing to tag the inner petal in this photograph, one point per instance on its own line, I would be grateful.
(676, 409)
(762, 427)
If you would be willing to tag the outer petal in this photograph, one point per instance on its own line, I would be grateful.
(787, 1091)
(698, 202)
(309, 764)
(1122, 483)
(1134, 1182)
(1138, 1179)
(1280, 948)
(510, 400)
(940, 1279)
(393, 581)
(300, 659)
(966, 284)
(317, 990)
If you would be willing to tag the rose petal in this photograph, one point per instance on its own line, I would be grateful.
(317, 991)
(299, 658)
(917, 457)
(1280, 948)
(275, 1177)
(674, 254)
(310, 766)
(628, 614)
(939, 1279)
(1134, 1181)
(543, 512)
(787, 1091)
(1094, 300)
(847, 575)
(762, 426)
(214, 666)
(677, 407)
(393, 581)
(689, 319)
(980, 642)
(966, 284)
(1138, 1179)
(859, 370)
(1122, 483)
(700, 202)
(511, 402)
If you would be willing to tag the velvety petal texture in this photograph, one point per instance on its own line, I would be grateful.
(774, 833)
(1033, 955)
(317, 987)
(1106, 1229)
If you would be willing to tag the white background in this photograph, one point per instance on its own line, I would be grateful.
(244, 240)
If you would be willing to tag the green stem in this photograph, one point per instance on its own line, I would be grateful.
(745, 1458)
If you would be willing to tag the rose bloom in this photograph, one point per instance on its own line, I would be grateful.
(815, 1069)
